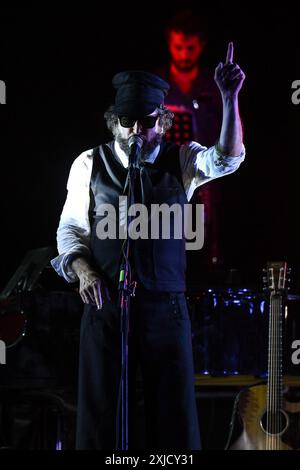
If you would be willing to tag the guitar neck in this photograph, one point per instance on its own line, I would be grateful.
(274, 390)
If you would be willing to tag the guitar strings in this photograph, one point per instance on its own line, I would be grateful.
(280, 388)
(270, 367)
(274, 398)
(275, 418)
(275, 379)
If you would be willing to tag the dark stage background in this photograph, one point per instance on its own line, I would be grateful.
(58, 65)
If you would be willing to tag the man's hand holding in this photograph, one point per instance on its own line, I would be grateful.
(91, 288)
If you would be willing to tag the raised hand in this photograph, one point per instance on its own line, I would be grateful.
(229, 77)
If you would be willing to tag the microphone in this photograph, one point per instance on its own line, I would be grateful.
(135, 143)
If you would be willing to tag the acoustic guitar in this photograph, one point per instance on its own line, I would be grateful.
(269, 419)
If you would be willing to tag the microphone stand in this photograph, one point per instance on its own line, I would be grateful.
(126, 290)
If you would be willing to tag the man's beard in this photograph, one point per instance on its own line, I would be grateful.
(147, 147)
(185, 66)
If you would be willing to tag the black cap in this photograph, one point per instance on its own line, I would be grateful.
(138, 93)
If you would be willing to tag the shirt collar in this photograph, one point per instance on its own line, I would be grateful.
(124, 158)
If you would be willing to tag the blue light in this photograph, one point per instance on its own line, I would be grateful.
(58, 445)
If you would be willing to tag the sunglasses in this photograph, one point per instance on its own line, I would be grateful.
(147, 122)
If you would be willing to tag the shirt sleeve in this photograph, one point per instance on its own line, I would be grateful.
(73, 233)
(200, 164)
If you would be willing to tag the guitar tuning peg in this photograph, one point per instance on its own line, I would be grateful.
(264, 270)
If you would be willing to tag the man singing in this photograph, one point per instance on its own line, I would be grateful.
(160, 334)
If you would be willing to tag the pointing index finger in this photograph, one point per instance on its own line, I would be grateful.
(229, 57)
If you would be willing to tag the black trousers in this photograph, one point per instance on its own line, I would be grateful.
(160, 342)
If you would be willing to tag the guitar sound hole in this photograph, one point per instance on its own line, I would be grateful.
(274, 423)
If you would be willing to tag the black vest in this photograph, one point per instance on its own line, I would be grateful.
(159, 264)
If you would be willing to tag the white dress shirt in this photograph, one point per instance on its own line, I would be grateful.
(199, 165)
